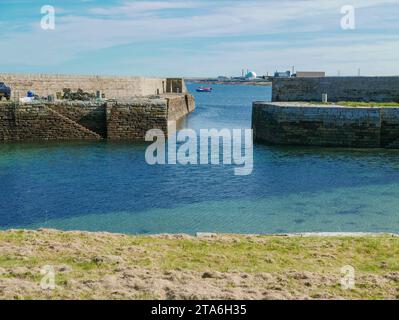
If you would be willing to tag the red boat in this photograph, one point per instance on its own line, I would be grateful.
(201, 89)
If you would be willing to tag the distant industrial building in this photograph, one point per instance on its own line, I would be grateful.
(249, 76)
(286, 74)
(309, 74)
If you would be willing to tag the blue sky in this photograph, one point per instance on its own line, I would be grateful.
(199, 37)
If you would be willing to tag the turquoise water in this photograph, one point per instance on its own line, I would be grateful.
(105, 186)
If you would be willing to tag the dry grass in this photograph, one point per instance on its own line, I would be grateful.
(110, 266)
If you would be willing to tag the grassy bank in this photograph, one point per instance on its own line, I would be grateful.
(362, 104)
(110, 266)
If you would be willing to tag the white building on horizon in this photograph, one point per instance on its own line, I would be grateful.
(251, 75)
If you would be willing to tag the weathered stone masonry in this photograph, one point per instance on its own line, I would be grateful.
(77, 120)
(292, 123)
(112, 87)
(91, 115)
(383, 89)
(131, 120)
(39, 122)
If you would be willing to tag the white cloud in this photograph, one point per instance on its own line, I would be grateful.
(139, 7)
(138, 21)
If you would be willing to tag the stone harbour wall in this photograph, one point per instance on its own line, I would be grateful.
(131, 120)
(383, 89)
(112, 87)
(89, 115)
(178, 108)
(78, 120)
(288, 123)
(39, 122)
(390, 127)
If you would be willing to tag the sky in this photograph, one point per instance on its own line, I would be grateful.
(199, 38)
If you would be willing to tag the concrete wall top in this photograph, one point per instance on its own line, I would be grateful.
(63, 76)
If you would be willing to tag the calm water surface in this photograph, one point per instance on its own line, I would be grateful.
(109, 187)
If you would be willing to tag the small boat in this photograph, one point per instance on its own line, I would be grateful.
(201, 89)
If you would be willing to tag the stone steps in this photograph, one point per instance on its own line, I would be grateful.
(77, 120)
(75, 125)
(90, 116)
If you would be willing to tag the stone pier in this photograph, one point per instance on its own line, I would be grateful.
(94, 120)
(44, 85)
(306, 124)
